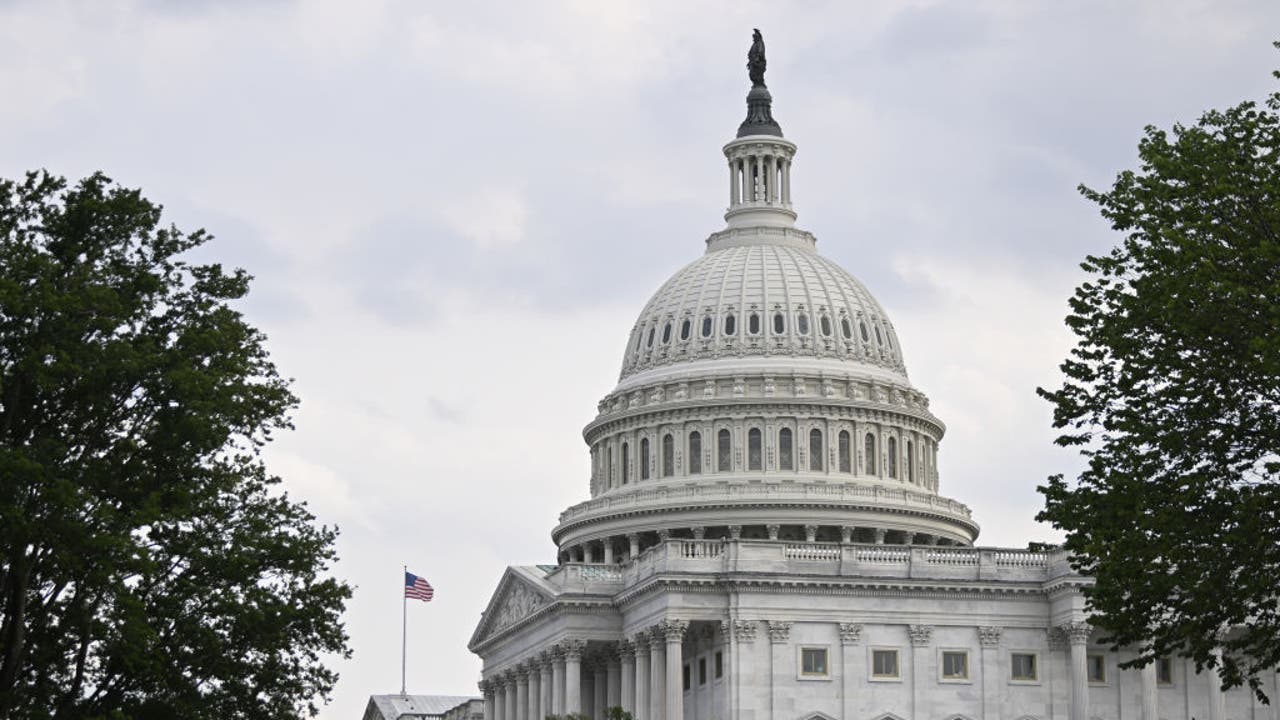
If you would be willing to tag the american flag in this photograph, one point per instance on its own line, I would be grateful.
(417, 588)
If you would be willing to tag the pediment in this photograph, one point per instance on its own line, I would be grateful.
(888, 716)
(519, 595)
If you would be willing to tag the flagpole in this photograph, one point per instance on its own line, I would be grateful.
(404, 621)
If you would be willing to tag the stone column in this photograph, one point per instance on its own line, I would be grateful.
(779, 659)
(573, 675)
(486, 689)
(511, 704)
(673, 632)
(1147, 679)
(589, 552)
(852, 666)
(557, 682)
(846, 534)
(773, 531)
(613, 669)
(879, 535)
(1077, 634)
(546, 661)
(733, 182)
(989, 638)
(522, 694)
(627, 677)
(640, 644)
(921, 678)
(499, 698)
(1217, 704)
(598, 671)
(657, 676)
(608, 551)
(811, 533)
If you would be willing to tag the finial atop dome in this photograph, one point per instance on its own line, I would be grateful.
(759, 102)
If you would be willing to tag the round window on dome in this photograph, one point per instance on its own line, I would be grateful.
(684, 329)
(802, 324)
(666, 333)
(753, 324)
(863, 328)
(707, 326)
(846, 328)
(649, 342)
(825, 323)
(730, 324)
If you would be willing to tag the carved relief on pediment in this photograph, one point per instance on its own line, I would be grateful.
(518, 601)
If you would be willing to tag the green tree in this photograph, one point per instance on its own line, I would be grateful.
(1172, 394)
(148, 567)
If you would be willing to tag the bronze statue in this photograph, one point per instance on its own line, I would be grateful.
(755, 59)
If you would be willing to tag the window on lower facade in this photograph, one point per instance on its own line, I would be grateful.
(668, 455)
(815, 449)
(844, 451)
(754, 454)
(813, 662)
(1164, 671)
(644, 458)
(785, 450)
(702, 671)
(1097, 665)
(884, 663)
(686, 677)
(695, 453)
(719, 665)
(955, 665)
(1022, 666)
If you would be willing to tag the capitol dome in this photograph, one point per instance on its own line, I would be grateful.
(763, 293)
(762, 394)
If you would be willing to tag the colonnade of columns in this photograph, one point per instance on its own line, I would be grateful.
(642, 674)
(623, 548)
(759, 178)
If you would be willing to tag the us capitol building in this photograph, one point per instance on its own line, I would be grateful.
(766, 536)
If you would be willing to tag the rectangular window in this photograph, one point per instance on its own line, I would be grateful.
(702, 671)
(686, 677)
(1164, 671)
(813, 662)
(1097, 665)
(955, 665)
(719, 665)
(1023, 666)
(884, 663)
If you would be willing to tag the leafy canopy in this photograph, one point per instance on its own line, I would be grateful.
(1172, 393)
(148, 567)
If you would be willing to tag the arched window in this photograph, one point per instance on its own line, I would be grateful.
(724, 448)
(730, 324)
(911, 461)
(815, 449)
(892, 460)
(649, 342)
(666, 333)
(802, 324)
(626, 465)
(843, 451)
(846, 328)
(870, 450)
(668, 455)
(755, 459)
(707, 326)
(695, 453)
(779, 323)
(753, 323)
(825, 322)
(684, 329)
(644, 458)
(609, 454)
(786, 451)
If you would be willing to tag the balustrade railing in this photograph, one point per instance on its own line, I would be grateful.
(811, 551)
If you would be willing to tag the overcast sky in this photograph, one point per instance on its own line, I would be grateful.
(455, 210)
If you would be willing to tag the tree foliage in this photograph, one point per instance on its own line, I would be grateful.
(148, 567)
(1172, 394)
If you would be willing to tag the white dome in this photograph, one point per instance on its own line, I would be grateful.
(763, 293)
